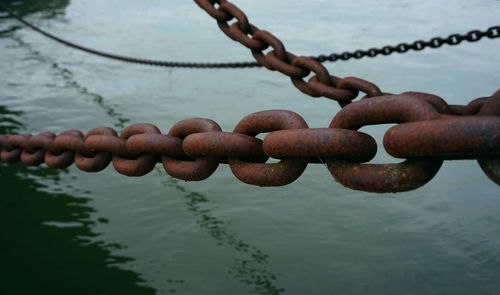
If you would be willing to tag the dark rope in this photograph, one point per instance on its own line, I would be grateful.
(454, 39)
(143, 61)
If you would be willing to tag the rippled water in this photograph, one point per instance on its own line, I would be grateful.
(66, 232)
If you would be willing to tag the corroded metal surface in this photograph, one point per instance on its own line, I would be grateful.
(410, 174)
(427, 134)
(491, 164)
(429, 131)
(447, 138)
(298, 68)
(285, 171)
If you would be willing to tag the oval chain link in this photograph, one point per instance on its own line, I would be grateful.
(428, 132)
(279, 59)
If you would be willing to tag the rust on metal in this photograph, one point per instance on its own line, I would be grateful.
(449, 137)
(224, 144)
(412, 173)
(491, 164)
(92, 161)
(285, 171)
(56, 158)
(193, 148)
(405, 107)
(135, 164)
(321, 143)
(429, 131)
(278, 58)
(196, 169)
(383, 178)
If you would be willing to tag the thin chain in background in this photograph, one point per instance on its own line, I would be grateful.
(454, 39)
(235, 24)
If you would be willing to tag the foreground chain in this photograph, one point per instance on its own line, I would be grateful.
(429, 131)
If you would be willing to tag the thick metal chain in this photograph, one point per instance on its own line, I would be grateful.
(429, 131)
(454, 39)
(322, 83)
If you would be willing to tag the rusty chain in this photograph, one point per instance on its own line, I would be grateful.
(436, 42)
(321, 83)
(429, 131)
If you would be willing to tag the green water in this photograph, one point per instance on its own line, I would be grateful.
(66, 232)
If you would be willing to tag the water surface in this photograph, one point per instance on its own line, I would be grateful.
(67, 232)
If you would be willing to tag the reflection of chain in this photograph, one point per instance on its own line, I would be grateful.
(455, 39)
(429, 132)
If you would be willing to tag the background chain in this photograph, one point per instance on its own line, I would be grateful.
(452, 40)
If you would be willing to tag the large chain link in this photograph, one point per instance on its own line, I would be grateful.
(428, 132)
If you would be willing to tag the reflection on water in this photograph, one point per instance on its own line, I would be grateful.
(8, 31)
(67, 76)
(8, 122)
(74, 253)
(48, 246)
(321, 238)
(47, 243)
(251, 269)
(48, 8)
